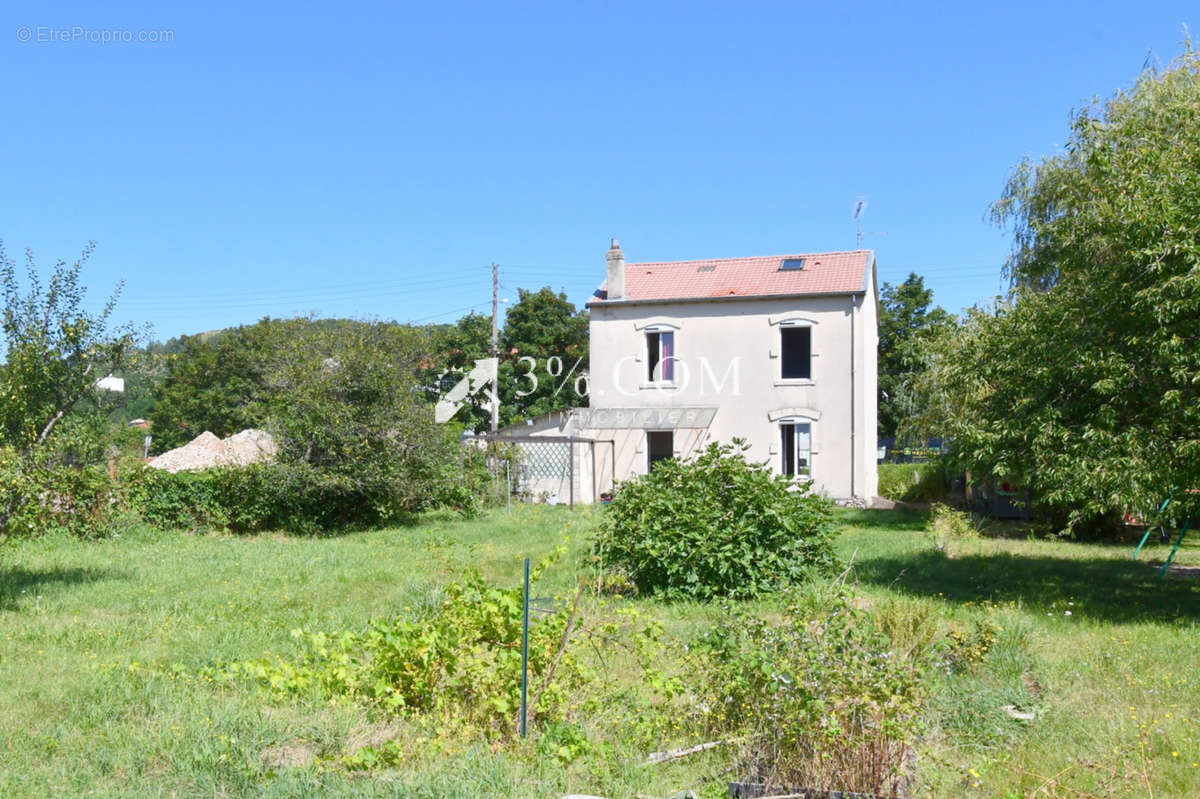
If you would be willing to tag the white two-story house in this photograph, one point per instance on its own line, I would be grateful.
(779, 351)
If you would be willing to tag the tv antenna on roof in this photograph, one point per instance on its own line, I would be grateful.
(860, 208)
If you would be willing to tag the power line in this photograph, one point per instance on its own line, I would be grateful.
(311, 296)
(447, 313)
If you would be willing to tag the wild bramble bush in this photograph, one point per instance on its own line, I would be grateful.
(42, 496)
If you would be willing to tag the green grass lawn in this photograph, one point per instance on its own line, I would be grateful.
(93, 636)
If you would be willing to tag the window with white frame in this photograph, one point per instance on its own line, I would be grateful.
(796, 448)
(795, 351)
(660, 354)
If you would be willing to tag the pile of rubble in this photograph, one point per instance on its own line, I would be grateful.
(206, 451)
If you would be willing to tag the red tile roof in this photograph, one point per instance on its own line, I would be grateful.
(823, 273)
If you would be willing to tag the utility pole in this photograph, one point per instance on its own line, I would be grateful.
(496, 347)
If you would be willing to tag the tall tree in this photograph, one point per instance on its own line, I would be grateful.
(55, 351)
(904, 317)
(544, 353)
(1087, 384)
(456, 348)
(543, 358)
(344, 400)
(216, 382)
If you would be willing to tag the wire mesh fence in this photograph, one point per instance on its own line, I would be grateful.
(548, 469)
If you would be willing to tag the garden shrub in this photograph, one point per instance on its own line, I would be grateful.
(821, 700)
(293, 496)
(717, 525)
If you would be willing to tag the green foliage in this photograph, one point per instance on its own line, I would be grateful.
(461, 666)
(821, 700)
(52, 428)
(715, 526)
(295, 497)
(216, 382)
(345, 402)
(80, 500)
(947, 528)
(357, 440)
(905, 319)
(913, 482)
(1086, 387)
(541, 325)
(185, 500)
(258, 497)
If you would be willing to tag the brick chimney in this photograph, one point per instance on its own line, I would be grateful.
(616, 271)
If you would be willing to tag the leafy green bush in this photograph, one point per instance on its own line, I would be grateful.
(913, 482)
(715, 526)
(358, 445)
(460, 667)
(40, 496)
(947, 528)
(256, 497)
(293, 496)
(170, 500)
(822, 700)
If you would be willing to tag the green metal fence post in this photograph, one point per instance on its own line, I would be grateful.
(525, 655)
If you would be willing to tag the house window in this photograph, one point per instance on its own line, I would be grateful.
(796, 448)
(660, 446)
(660, 352)
(796, 352)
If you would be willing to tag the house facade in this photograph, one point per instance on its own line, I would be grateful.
(779, 351)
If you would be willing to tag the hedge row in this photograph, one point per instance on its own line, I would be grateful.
(293, 497)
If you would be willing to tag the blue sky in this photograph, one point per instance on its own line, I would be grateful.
(374, 161)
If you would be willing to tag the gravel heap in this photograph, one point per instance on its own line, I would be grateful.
(206, 451)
